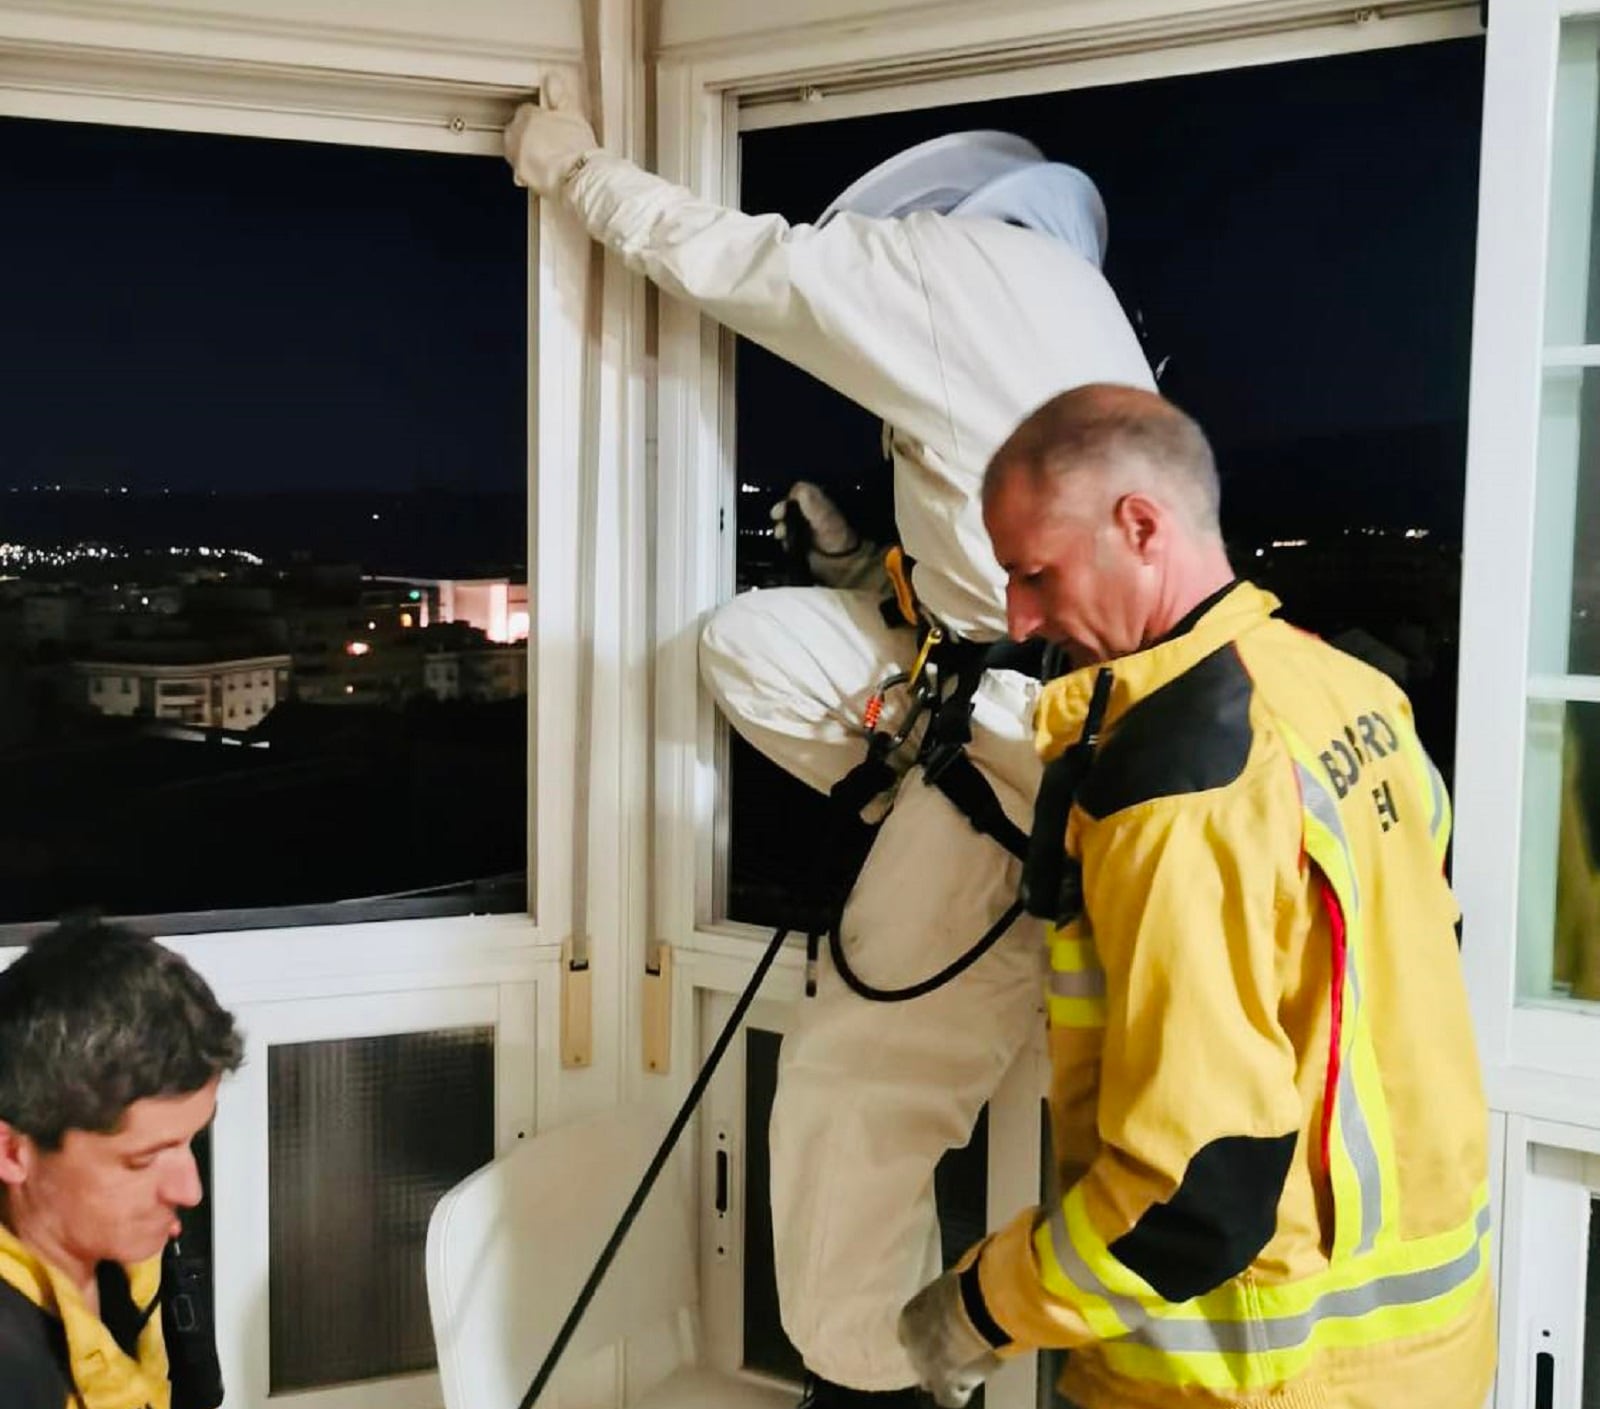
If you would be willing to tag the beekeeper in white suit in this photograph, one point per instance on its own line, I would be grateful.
(949, 291)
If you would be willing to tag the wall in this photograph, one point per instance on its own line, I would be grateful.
(397, 36)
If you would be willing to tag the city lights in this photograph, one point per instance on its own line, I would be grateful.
(27, 555)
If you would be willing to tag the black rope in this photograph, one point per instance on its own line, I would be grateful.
(862, 989)
(658, 1162)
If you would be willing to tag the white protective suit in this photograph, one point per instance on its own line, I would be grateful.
(951, 330)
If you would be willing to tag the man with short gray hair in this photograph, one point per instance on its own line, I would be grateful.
(1269, 1129)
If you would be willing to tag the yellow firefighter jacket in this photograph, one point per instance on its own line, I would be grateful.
(1266, 1104)
(50, 1339)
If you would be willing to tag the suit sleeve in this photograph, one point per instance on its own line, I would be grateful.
(1198, 1109)
(846, 303)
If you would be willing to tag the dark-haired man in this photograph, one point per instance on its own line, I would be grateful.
(111, 1052)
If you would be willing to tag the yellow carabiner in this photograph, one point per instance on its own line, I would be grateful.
(932, 639)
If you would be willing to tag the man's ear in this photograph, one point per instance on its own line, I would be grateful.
(17, 1155)
(1141, 522)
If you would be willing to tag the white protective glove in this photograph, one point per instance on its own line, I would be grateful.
(838, 555)
(546, 144)
(950, 1357)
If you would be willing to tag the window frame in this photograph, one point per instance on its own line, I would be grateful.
(52, 77)
(457, 990)
(706, 94)
(699, 116)
(1540, 1056)
(372, 976)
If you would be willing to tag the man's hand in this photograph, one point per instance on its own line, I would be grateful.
(837, 556)
(950, 1357)
(544, 144)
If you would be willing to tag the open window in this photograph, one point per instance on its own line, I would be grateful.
(1292, 221)
(264, 609)
(232, 457)
(1299, 264)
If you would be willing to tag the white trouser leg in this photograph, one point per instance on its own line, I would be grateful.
(792, 669)
(871, 1095)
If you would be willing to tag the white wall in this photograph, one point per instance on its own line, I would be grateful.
(397, 35)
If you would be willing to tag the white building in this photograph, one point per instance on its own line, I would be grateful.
(497, 606)
(224, 694)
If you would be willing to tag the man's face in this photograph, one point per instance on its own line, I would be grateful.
(114, 1197)
(1074, 573)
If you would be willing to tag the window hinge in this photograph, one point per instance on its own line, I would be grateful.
(577, 1010)
(657, 1006)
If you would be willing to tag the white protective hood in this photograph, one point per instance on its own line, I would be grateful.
(984, 174)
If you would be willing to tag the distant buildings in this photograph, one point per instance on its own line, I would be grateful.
(479, 673)
(496, 606)
(221, 649)
(217, 694)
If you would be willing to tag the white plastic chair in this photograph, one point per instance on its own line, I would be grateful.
(510, 1247)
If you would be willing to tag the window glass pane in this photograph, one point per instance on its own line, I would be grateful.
(1326, 357)
(263, 551)
(1572, 295)
(365, 1136)
(1559, 943)
(1565, 624)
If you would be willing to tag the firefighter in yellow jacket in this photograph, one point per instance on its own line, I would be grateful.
(1269, 1126)
(111, 1051)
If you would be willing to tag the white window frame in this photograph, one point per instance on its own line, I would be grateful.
(1551, 1172)
(1541, 1058)
(369, 978)
(709, 992)
(705, 99)
(49, 75)
(456, 987)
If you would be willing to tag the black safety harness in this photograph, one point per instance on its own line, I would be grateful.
(941, 685)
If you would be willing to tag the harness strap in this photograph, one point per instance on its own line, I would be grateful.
(1052, 883)
(863, 783)
(972, 795)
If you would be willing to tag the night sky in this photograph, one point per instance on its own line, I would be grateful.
(198, 312)
(1299, 237)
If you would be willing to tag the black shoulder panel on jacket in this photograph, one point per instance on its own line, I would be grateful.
(1222, 1215)
(33, 1354)
(1190, 735)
